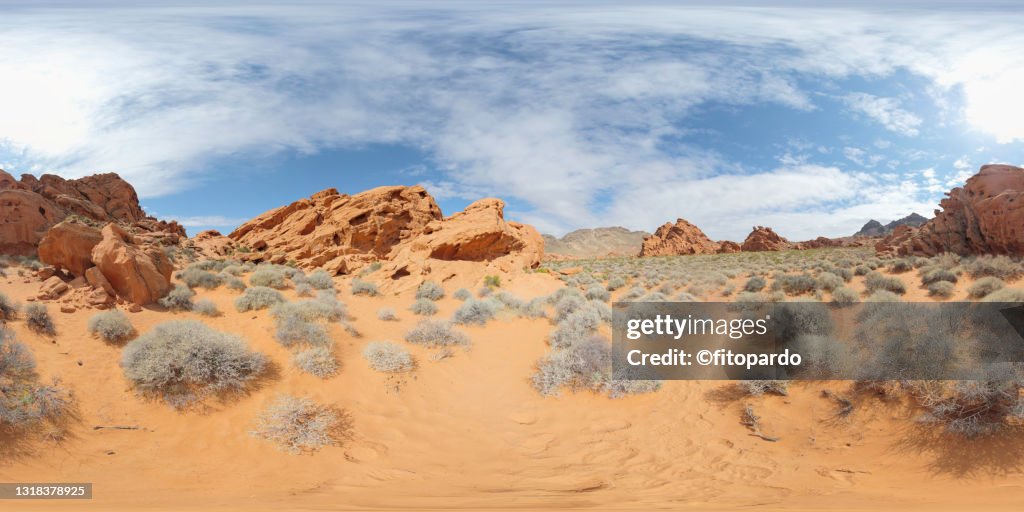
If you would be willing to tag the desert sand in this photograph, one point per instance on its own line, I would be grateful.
(470, 432)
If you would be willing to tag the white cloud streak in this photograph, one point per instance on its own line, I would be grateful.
(574, 111)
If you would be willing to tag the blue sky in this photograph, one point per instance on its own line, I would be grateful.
(809, 119)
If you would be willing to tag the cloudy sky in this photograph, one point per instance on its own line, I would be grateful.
(809, 119)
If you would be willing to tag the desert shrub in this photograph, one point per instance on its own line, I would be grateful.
(360, 287)
(429, 290)
(179, 298)
(993, 266)
(597, 292)
(755, 284)
(387, 356)
(206, 307)
(508, 301)
(861, 270)
(295, 330)
(462, 294)
(795, 284)
(304, 290)
(585, 365)
(535, 308)
(875, 281)
(492, 281)
(233, 269)
(111, 326)
(970, 408)
(318, 361)
(37, 318)
(475, 311)
(829, 281)
(308, 310)
(182, 361)
(436, 334)
(299, 425)
(24, 402)
(633, 293)
(269, 276)
(566, 305)
(194, 277)
(234, 283)
(1005, 295)
(883, 296)
(615, 282)
(941, 289)
(484, 291)
(386, 314)
(575, 327)
(258, 297)
(8, 308)
(761, 387)
(320, 279)
(424, 307)
(937, 275)
(984, 286)
(688, 297)
(844, 296)
(901, 265)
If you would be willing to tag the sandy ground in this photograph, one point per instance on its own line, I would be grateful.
(470, 432)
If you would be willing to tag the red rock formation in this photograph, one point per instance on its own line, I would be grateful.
(68, 246)
(138, 274)
(211, 244)
(678, 239)
(985, 216)
(333, 230)
(765, 239)
(31, 206)
(822, 242)
(728, 247)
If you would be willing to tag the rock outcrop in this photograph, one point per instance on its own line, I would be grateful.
(31, 206)
(139, 274)
(985, 216)
(728, 247)
(68, 246)
(400, 226)
(596, 243)
(676, 239)
(873, 228)
(765, 239)
(210, 244)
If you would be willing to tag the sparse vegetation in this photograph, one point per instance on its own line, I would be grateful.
(875, 281)
(179, 298)
(183, 361)
(25, 404)
(474, 311)
(298, 425)
(984, 286)
(270, 276)
(37, 318)
(941, 289)
(462, 294)
(258, 297)
(360, 287)
(492, 281)
(386, 314)
(8, 308)
(388, 356)
(195, 277)
(318, 361)
(320, 279)
(436, 334)
(424, 307)
(206, 307)
(111, 326)
(430, 290)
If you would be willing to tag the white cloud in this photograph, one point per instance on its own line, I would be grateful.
(198, 221)
(886, 111)
(553, 104)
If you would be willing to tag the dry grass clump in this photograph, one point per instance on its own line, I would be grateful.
(844, 296)
(195, 277)
(762, 387)
(430, 290)
(182, 361)
(474, 311)
(388, 356)
(436, 334)
(270, 276)
(829, 281)
(298, 425)
(320, 279)
(795, 284)
(755, 284)
(585, 365)
(387, 315)
(25, 404)
(8, 308)
(179, 298)
(938, 275)
(424, 307)
(206, 307)
(37, 318)
(984, 286)
(258, 297)
(941, 289)
(901, 265)
(970, 408)
(318, 361)
(234, 283)
(1001, 267)
(462, 294)
(360, 287)
(1005, 295)
(111, 326)
(875, 281)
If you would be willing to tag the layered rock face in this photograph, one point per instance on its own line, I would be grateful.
(596, 243)
(765, 239)
(139, 274)
(31, 206)
(678, 239)
(400, 225)
(985, 216)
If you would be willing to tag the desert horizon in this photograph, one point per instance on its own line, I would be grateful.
(399, 256)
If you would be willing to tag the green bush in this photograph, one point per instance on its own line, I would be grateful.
(492, 281)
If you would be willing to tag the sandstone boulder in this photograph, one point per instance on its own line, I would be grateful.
(765, 239)
(678, 239)
(68, 246)
(211, 244)
(138, 274)
(52, 288)
(985, 216)
(728, 247)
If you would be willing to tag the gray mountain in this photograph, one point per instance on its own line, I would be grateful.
(875, 228)
(596, 243)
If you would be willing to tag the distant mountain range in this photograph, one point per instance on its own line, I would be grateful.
(875, 228)
(596, 242)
